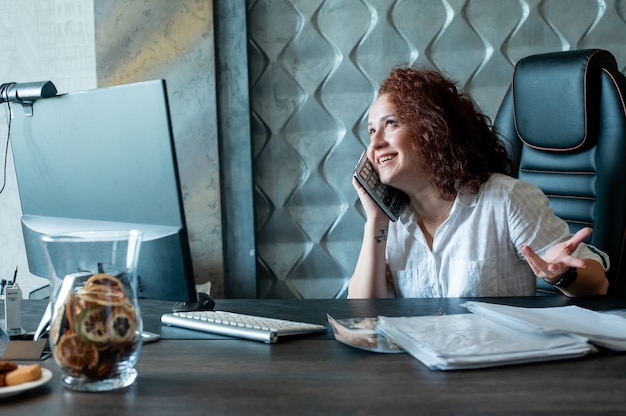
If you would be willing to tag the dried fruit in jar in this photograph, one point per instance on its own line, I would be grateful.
(90, 325)
(122, 324)
(75, 354)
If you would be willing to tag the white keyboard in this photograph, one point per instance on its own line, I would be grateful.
(238, 325)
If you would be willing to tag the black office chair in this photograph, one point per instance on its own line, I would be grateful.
(563, 120)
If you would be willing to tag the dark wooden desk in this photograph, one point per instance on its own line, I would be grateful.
(212, 375)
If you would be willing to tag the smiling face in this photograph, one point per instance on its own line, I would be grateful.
(391, 147)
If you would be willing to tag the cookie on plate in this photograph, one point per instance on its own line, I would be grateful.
(5, 368)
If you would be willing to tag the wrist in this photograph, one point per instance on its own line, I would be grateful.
(566, 279)
(377, 223)
(377, 230)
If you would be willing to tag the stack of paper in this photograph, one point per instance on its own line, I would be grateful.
(499, 335)
(448, 342)
(600, 328)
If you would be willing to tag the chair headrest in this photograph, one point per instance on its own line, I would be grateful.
(556, 98)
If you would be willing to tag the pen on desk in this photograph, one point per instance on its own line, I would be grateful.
(15, 275)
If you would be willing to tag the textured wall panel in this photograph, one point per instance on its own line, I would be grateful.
(314, 68)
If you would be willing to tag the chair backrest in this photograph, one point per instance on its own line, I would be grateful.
(563, 120)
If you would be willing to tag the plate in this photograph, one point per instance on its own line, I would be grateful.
(7, 391)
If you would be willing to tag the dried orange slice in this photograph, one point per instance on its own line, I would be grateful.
(122, 324)
(101, 296)
(90, 325)
(74, 353)
(106, 280)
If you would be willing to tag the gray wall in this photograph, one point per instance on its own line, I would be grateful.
(308, 71)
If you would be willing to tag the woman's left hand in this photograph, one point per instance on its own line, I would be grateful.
(558, 258)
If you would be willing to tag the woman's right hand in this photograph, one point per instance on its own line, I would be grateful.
(372, 210)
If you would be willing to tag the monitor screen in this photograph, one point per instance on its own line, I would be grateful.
(105, 159)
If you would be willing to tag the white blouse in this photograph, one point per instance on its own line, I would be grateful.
(476, 249)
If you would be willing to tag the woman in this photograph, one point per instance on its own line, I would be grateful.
(469, 229)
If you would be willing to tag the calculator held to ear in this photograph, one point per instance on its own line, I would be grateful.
(391, 200)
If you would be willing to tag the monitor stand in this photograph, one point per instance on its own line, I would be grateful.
(204, 303)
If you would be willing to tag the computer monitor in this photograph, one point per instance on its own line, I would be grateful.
(105, 159)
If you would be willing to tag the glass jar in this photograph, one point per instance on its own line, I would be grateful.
(95, 330)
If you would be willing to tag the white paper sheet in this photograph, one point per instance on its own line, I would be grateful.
(603, 329)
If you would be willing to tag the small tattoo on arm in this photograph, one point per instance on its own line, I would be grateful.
(382, 236)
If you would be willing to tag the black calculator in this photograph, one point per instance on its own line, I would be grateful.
(391, 200)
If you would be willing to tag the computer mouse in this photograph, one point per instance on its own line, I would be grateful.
(204, 303)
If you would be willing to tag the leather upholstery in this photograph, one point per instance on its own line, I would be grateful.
(563, 120)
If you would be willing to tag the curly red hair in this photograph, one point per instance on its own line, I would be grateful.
(455, 142)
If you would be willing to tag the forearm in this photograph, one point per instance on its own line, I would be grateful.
(591, 280)
(369, 280)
